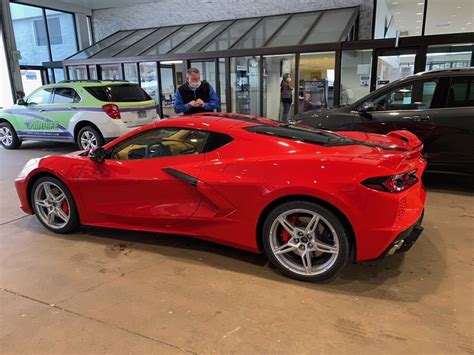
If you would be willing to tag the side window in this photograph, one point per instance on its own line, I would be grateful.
(413, 96)
(461, 92)
(65, 96)
(157, 143)
(40, 97)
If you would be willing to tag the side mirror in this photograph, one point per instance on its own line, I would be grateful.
(98, 154)
(21, 102)
(366, 107)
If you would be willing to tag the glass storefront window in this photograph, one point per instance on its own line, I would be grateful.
(110, 72)
(355, 74)
(223, 86)
(316, 86)
(245, 85)
(454, 16)
(58, 75)
(93, 72)
(62, 34)
(78, 72)
(130, 72)
(449, 56)
(31, 80)
(30, 34)
(149, 79)
(393, 65)
(400, 15)
(171, 78)
(278, 104)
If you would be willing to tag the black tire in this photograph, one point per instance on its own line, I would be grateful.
(89, 131)
(330, 228)
(73, 223)
(8, 136)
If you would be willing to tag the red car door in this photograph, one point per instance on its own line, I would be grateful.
(155, 192)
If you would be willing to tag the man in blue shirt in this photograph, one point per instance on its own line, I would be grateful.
(195, 96)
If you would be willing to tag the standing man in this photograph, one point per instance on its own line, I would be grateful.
(195, 96)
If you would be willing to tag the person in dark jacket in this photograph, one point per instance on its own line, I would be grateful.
(286, 95)
(195, 96)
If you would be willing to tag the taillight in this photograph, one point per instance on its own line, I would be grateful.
(112, 111)
(394, 183)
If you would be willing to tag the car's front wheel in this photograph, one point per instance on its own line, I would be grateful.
(88, 137)
(54, 205)
(8, 136)
(306, 241)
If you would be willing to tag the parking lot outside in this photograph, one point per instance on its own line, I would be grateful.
(119, 292)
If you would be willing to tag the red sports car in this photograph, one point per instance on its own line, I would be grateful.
(312, 200)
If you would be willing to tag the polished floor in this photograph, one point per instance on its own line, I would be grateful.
(103, 291)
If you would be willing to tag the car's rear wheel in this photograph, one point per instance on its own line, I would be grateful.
(306, 241)
(88, 138)
(54, 205)
(8, 136)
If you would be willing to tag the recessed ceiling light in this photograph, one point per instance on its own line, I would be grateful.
(453, 15)
(418, 21)
(419, 13)
(397, 13)
(395, 3)
(458, 7)
(469, 23)
(420, 3)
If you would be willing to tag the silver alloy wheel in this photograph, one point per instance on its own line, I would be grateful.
(88, 140)
(6, 136)
(50, 201)
(304, 253)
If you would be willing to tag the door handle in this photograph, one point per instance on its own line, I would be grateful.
(43, 109)
(417, 118)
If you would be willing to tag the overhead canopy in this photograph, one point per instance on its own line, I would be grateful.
(259, 32)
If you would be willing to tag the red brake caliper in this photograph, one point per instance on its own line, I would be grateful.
(65, 206)
(285, 236)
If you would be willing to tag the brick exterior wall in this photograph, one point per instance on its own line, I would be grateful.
(173, 12)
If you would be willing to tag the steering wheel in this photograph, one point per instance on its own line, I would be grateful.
(156, 149)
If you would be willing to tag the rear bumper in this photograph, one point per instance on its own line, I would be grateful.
(405, 240)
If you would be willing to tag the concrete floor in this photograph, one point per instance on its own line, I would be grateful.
(105, 291)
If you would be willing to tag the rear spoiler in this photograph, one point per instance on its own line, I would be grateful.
(412, 144)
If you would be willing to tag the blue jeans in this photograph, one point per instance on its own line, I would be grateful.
(286, 110)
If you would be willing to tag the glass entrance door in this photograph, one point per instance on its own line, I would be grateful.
(171, 76)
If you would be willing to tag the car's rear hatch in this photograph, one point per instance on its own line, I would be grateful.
(136, 107)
